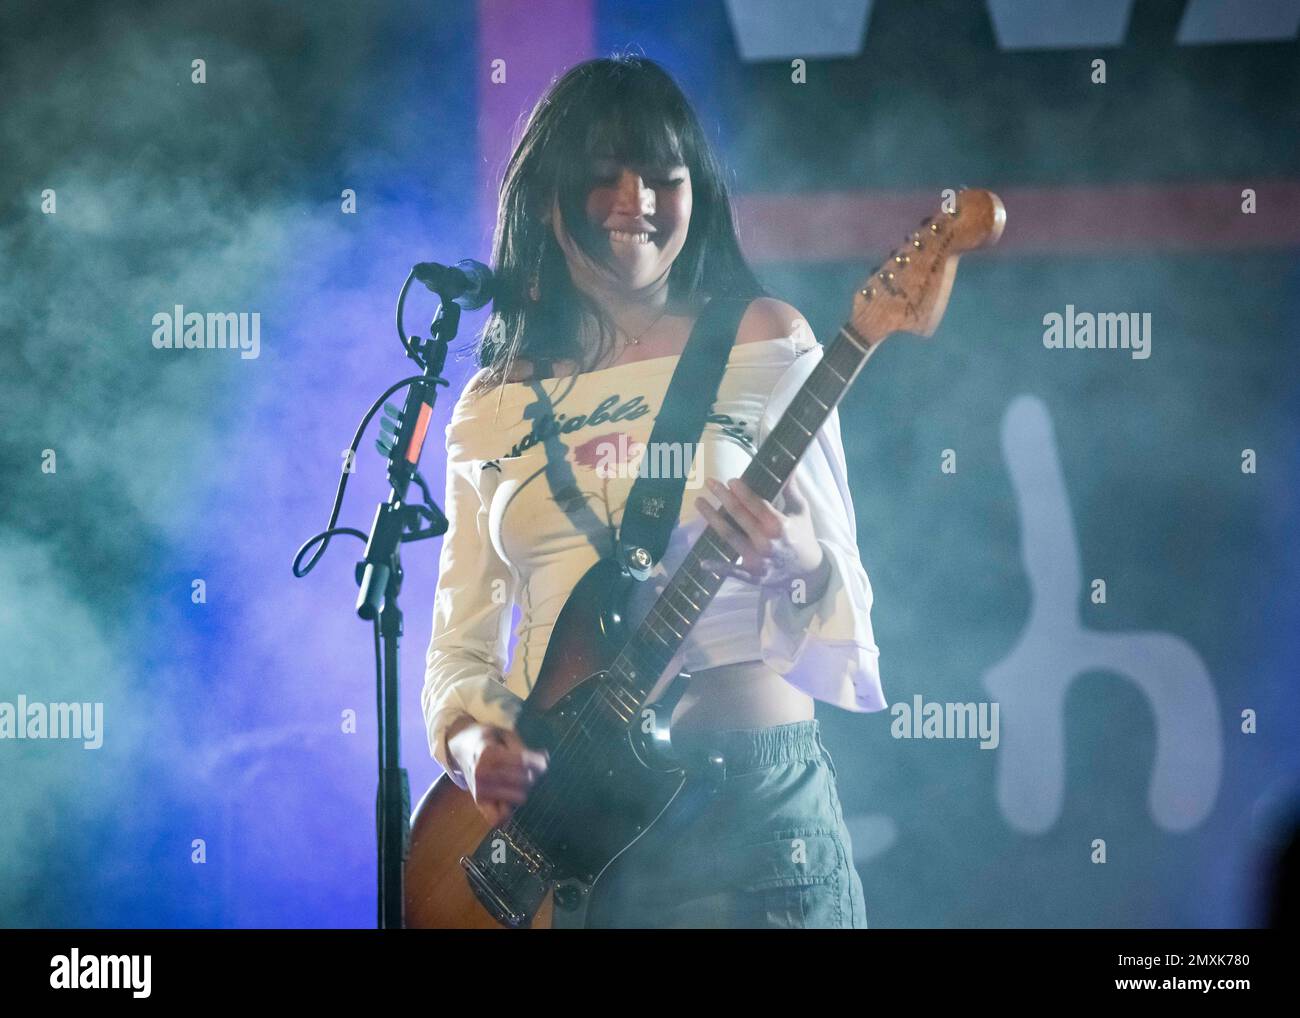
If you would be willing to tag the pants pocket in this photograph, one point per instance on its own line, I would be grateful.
(794, 882)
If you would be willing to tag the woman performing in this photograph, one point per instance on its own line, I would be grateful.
(614, 231)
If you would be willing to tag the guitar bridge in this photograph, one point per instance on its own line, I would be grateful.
(491, 897)
(511, 889)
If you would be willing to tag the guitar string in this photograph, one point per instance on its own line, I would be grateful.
(543, 825)
(570, 765)
(572, 755)
(846, 339)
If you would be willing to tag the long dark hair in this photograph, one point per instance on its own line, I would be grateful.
(628, 107)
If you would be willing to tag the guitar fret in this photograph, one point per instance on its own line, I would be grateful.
(630, 687)
(692, 610)
(831, 388)
(775, 438)
(793, 438)
(625, 703)
(679, 606)
(682, 594)
(631, 701)
(851, 337)
(721, 549)
(677, 613)
(639, 655)
(619, 708)
(633, 688)
(690, 575)
(775, 476)
(808, 417)
(801, 427)
(666, 643)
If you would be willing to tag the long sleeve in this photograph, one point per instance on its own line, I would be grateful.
(825, 647)
(466, 659)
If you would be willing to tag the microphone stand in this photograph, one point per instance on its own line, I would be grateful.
(379, 576)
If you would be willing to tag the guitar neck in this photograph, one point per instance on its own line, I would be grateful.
(908, 293)
(674, 613)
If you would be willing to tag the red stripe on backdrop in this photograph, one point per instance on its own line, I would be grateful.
(834, 226)
(537, 41)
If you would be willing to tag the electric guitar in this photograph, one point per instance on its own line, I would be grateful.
(608, 781)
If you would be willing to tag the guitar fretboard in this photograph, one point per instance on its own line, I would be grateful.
(673, 615)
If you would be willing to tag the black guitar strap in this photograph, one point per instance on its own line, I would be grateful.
(654, 503)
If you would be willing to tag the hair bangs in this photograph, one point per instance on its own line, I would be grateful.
(626, 109)
(638, 135)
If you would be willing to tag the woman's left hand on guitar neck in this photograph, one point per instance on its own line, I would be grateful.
(777, 549)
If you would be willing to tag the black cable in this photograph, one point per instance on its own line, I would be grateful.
(401, 329)
(419, 479)
(427, 512)
(411, 350)
(330, 529)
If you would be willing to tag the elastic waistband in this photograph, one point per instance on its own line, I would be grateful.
(748, 749)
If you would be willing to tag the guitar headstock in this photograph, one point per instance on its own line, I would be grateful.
(909, 292)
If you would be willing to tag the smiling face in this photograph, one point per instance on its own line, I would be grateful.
(637, 218)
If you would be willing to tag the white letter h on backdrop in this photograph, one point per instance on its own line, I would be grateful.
(1054, 649)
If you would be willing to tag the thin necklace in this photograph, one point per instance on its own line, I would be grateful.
(634, 342)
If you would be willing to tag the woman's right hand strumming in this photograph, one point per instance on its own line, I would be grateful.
(498, 768)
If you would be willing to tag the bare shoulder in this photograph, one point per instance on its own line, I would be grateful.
(471, 397)
(769, 318)
(475, 387)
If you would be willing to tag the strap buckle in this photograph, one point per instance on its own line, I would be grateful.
(638, 562)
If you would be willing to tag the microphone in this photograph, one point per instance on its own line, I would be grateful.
(468, 283)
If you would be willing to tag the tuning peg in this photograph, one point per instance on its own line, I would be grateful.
(393, 412)
(901, 259)
(385, 450)
(868, 292)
